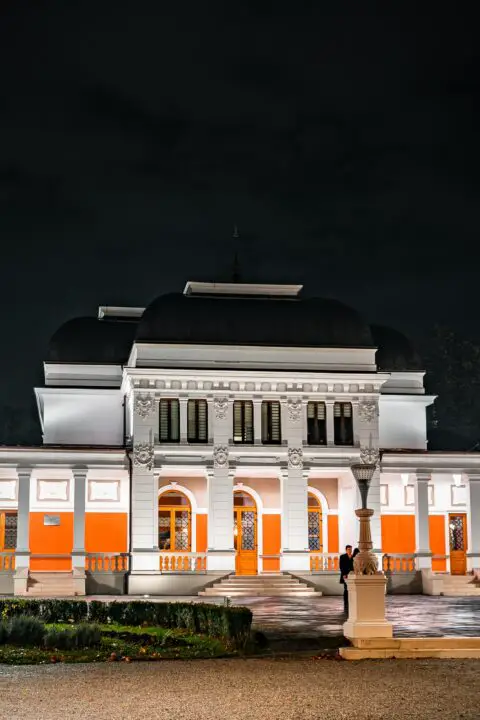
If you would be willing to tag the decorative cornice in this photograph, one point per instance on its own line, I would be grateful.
(143, 455)
(369, 455)
(367, 411)
(144, 405)
(295, 458)
(294, 409)
(221, 408)
(220, 456)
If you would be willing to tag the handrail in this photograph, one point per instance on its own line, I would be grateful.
(182, 562)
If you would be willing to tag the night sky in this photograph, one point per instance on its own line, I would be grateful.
(343, 142)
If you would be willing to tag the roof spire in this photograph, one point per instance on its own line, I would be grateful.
(236, 263)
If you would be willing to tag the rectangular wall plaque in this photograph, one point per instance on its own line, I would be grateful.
(51, 519)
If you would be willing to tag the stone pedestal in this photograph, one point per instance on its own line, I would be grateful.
(366, 600)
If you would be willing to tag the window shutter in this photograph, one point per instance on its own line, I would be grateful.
(174, 421)
(237, 422)
(275, 422)
(337, 410)
(347, 409)
(202, 425)
(311, 408)
(248, 422)
(321, 414)
(163, 430)
(191, 421)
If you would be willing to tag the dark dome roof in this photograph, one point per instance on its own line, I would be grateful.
(88, 340)
(248, 320)
(395, 352)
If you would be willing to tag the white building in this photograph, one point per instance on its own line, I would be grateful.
(213, 433)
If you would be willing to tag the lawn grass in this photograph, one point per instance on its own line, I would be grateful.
(121, 642)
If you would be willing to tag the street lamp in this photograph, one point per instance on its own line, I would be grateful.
(365, 563)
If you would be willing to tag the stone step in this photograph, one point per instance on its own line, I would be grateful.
(214, 592)
(252, 583)
(440, 647)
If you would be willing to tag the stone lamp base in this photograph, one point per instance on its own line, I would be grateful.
(366, 600)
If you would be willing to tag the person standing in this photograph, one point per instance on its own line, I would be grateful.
(346, 567)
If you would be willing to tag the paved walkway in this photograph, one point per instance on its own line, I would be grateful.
(320, 616)
(299, 689)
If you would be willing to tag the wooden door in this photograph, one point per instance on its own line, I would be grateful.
(245, 539)
(457, 530)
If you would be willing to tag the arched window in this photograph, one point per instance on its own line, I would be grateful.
(174, 522)
(314, 524)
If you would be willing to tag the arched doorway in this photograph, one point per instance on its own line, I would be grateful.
(245, 533)
(174, 522)
(315, 530)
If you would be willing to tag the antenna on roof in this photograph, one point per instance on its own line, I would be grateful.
(236, 264)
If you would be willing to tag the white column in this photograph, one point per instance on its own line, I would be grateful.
(220, 547)
(294, 495)
(348, 525)
(304, 422)
(257, 421)
(79, 503)
(329, 403)
(473, 522)
(182, 405)
(144, 522)
(23, 518)
(22, 551)
(422, 530)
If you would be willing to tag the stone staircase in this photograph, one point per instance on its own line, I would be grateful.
(50, 584)
(420, 647)
(259, 586)
(460, 586)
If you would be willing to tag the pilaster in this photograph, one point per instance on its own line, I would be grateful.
(22, 551)
(329, 408)
(144, 522)
(257, 420)
(473, 522)
(294, 495)
(79, 503)
(422, 529)
(183, 409)
(220, 478)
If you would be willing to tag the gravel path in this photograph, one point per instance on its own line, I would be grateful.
(243, 689)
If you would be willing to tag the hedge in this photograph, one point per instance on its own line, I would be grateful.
(231, 624)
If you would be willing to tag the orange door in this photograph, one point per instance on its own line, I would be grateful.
(245, 538)
(457, 525)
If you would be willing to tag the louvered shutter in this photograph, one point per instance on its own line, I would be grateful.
(237, 421)
(275, 422)
(192, 421)
(202, 429)
(163, 429)
(248, 422)
(174, 421)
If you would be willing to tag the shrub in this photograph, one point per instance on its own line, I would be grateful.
(231, 624)
(86, 635)
(58, 639)
(25, 630)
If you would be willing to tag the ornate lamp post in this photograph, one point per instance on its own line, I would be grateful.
(366, 585)
(365, 562)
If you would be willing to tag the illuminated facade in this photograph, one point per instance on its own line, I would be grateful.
(213, 433)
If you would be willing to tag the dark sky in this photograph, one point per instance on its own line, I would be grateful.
(343, 141)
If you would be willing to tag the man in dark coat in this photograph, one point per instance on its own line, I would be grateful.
(346, 567)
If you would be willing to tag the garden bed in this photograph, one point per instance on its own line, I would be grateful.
(49, 631)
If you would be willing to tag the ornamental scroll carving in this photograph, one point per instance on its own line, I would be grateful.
(220, 456)
(143, 455)
(295, 458)
(365, 563)
(367, 411)
(369, 455)
(144, 405)
(294, 409)
(221, 408)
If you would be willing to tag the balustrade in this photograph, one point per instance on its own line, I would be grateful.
(7, 561)
(398, 563)
(106, 562)
(324, 562)
(183, 562)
